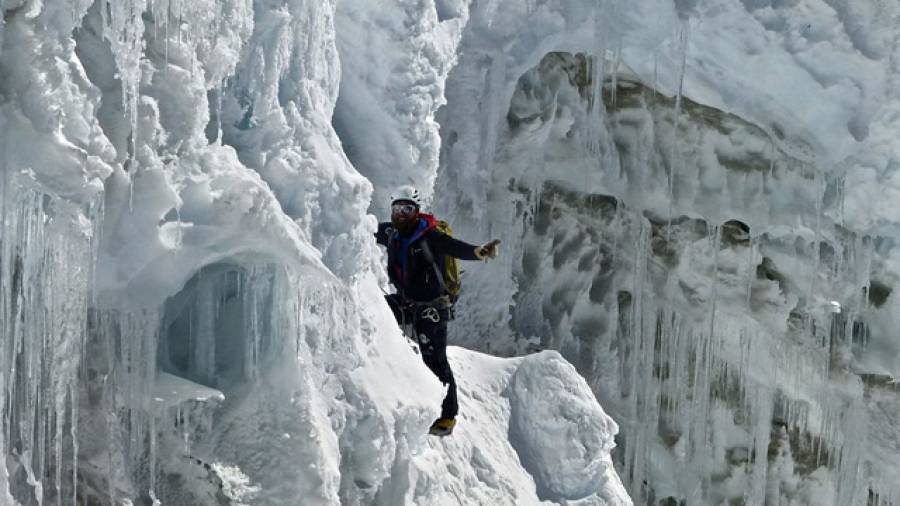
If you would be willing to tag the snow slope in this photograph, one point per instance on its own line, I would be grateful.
(190, 296)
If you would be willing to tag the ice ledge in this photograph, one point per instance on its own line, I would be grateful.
(171, 390)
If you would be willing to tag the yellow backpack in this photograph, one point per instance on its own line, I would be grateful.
(451, 266)
(449, 279)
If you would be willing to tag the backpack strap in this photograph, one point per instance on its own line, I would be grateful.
(430, 257)
(391, 242)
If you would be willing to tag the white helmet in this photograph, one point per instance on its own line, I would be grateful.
(406, 192)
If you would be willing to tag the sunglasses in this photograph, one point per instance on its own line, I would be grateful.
(405, 209)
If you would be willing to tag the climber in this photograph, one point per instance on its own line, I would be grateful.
(417, 260)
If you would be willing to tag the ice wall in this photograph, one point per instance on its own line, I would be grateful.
(189, 293)
(395, 59)
(44, 318)
(190, 139)
(700, 245)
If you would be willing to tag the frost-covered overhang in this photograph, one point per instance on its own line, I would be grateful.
(817, 71)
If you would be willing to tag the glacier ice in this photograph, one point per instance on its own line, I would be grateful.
(189, 293)
(44, 319)
(689, 257)
(696, 199)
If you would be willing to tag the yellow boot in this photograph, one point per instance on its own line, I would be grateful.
(442, 427)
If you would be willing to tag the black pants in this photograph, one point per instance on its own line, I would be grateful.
(432, 339)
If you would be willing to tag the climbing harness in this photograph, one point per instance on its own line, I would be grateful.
(431, 313)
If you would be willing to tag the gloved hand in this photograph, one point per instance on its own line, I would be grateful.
(489, 250)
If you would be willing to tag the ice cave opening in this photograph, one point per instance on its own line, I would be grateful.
(218, 327)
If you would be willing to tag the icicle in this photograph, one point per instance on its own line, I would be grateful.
(44, 295)
(751, 271)
(595, 104)
(617, 226)
(615, 21)
(854, 433)
(153, 458)
(818, 195)
(185, 430)
(58, 450)
(638, 363)
(655, 75)
(219, 94)
(762, 428)
(204, 346)
(168, 10)
(675, 153)
(615, 71)
(123, 28)
(717, 242)
(178, 15)
(73, 394)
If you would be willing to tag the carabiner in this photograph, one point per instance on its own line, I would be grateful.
(430, 313)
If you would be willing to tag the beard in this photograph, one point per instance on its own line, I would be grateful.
(405, 224)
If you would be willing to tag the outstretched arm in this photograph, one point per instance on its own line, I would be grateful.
(462, 250)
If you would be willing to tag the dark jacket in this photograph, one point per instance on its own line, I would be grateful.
(409, 269)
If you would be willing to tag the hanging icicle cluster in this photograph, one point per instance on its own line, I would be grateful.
(49, 248)
(686, 383)
(716, 358)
